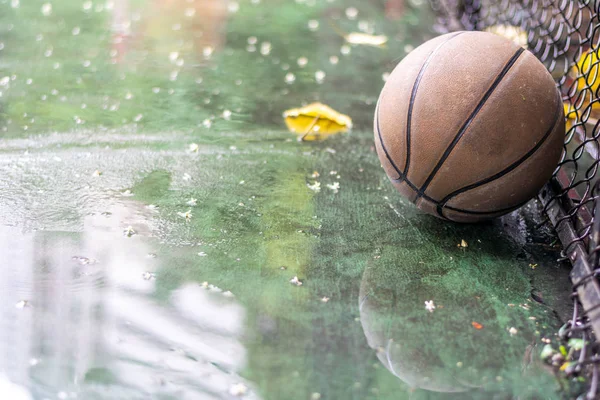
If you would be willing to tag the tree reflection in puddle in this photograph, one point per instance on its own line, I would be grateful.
(78, 318)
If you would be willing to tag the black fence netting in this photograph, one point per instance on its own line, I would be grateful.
(565, 36)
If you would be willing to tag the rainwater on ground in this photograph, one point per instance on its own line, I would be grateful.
(163, 236)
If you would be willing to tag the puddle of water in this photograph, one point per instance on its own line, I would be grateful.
(135, 298)
(165, 238)
(79, 317)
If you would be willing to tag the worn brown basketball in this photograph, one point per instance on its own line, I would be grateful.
(469, 126)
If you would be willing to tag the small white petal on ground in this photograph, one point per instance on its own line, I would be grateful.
(214, 288)
(22, 304)
(335, 186)
(296, 281)
(429, 306)
(187, 215)
(149, 276)
(315, 187)
(239, 389)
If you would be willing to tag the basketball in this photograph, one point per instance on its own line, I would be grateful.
(469, 126)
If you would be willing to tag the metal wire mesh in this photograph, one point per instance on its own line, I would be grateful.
(565, 36)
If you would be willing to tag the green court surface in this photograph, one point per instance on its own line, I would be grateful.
(154, 209)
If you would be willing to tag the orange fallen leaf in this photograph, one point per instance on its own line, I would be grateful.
(477, 325)
(316, 121)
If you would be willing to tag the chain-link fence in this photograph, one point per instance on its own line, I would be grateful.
(565, 36)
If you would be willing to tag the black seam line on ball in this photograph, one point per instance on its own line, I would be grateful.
(416, 189)
(413, 96)
(469, 120)
(505, 171)
(501, 210)
(401, 175)
(387, 155)
(461, 210)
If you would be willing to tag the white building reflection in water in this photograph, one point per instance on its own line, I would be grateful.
(79, 319)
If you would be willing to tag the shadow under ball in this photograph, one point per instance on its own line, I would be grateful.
(469, 126)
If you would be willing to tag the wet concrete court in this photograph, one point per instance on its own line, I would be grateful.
(163, 236)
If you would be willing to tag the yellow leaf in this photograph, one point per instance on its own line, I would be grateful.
(586, 71)
(586, 74)
(368, 40)
(316, 121)
(570, 114)
(514, 33)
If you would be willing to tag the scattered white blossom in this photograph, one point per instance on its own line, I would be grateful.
(214, 288)
(296, 281)
(193, 148)
(46, 9)
(239, 389)
(192, 202)
(335, 187)
(320, 76)
(429, 306)
(22, 304)
(84, 260)
(315, 187)
(187, 215)
(149, 276)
